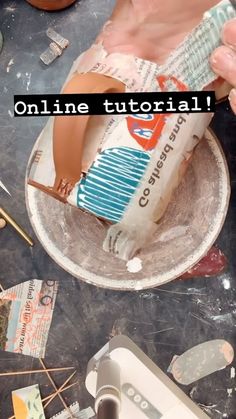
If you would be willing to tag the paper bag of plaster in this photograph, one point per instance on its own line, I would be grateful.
(130, 165)
(25, 317)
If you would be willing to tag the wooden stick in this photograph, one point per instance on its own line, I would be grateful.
(16, 226)
(59, 390)
(4, 374)
(55, 388)
(51, 396)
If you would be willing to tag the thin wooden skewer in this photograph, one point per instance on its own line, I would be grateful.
(55, 388)
(16, 226)
(59, 390)
(51, 396)
(4, 374)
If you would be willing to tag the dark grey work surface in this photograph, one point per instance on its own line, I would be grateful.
(163, 321)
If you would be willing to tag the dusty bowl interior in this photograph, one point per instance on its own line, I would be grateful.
(190, 226)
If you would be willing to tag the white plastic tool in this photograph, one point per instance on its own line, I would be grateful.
(127, 384)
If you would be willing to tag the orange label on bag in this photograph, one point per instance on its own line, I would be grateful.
(146, 129)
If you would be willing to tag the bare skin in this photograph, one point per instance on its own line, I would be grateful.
(151, 29)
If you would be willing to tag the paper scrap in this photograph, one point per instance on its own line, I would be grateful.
(86, 413)
(64, 414)
(25, 317)
(27, 403)
(77, 413)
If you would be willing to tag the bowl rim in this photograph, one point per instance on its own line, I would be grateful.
(146, 283)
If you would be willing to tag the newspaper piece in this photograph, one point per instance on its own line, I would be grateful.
(190, 61)
(163, 173)
(25, 314)
(27, 403)
(187, 68)
(76, 412)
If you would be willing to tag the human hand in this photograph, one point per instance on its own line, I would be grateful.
(153, 29)
(223, 59)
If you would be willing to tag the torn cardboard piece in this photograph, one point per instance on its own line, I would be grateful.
(27, 403)
(25, 317)
(77, 413)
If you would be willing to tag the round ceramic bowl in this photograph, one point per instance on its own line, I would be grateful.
(189, 228)
(51, 5)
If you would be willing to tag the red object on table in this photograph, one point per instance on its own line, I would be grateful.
(51, 4)
(212, 264)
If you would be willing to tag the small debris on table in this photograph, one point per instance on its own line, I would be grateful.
(201, 361)
(26, 311)
(57, 38)
(51, 53)
(55, 48)
(2, 223)
(77, 413)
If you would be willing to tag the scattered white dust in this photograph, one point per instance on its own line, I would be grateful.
(11, 62)
(28, 76)
(232, 372)
(18, 75)
(229, 391)
(10, 9)
(173, 233)
(226, 284)
(134, 265)
(10, 113)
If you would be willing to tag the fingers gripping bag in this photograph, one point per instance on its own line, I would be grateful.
(124, 169)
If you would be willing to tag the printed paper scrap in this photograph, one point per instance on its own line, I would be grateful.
(27, 403)
(76, 412)
(25, 317)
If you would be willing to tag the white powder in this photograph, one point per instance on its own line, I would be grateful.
(226, 284)
(229, 391)
(134, 265)
(232, 372)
